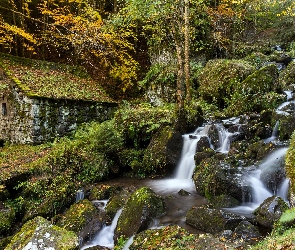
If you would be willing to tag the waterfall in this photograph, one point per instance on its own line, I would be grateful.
(79, 195)
(105, 236)
(274, 134)
(187, 163)
(259, 192)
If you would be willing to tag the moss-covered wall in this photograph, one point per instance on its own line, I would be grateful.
(16, 121)
(54, 118)
(28, 120)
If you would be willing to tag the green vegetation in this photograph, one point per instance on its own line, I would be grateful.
(52, 80)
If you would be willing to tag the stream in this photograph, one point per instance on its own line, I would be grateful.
(178, 205)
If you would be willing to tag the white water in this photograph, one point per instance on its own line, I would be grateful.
(274, 134)
(182, 178)
(259, 191)
(79, 195)
(105, 237)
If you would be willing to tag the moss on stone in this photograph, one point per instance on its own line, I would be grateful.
(44, 79)
(40, 232)
(142, 206)
(220, 77)
(77, 216)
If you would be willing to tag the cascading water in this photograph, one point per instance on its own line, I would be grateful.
(259, 191)
(79, 195)
(105, 236)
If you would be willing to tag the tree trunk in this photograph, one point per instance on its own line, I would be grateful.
(186, 51)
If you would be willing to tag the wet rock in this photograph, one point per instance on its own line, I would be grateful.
(84, 219)
(163, 152)
(213, 135)
(214, 178)
(41, 234)
(142, 206)
(226, 235)
(270, 211)
(212, 220)
(274, 175)
(183, 192)
(247, 232)
(203, 144)
(118, 200)
(199, 156)
(223, 201)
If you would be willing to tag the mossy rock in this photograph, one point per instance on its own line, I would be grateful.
(163, 152)
(175, 237)
(287, 76)
(220, 77)
(270, 211)
(78, 215)
(285, 222)
(214, 177)
(40, 233)
(139, 211)
(286, 123)
(7, 219)
(118, 200)
(259, 91)
(102, 192)
(222, 201)
(212, 220)
(257, 59)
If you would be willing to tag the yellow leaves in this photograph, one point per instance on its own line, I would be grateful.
(12, 29)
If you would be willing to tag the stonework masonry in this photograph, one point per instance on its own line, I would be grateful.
(35, 120)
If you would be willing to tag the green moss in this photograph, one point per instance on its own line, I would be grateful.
(219, 78)
(78, 216)
(142, 206)
(7, 219)
(290, 163)
(39, 227)
(51, 80)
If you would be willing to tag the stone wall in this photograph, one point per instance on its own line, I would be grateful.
(15, 116)
(27, 120)
(54, 118)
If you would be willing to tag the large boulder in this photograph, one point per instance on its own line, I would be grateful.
(84, 219)
(41, 234)
(214, 178)
(257, 92)
(270, 211)
(246, 231)
(139, 211)
(118, 200)
(163, 152)
(212, 220)
(175, 237)
(219, 78)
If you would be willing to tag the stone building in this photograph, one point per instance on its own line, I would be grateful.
(41, 100)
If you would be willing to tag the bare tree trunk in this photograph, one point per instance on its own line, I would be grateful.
(186, 51)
